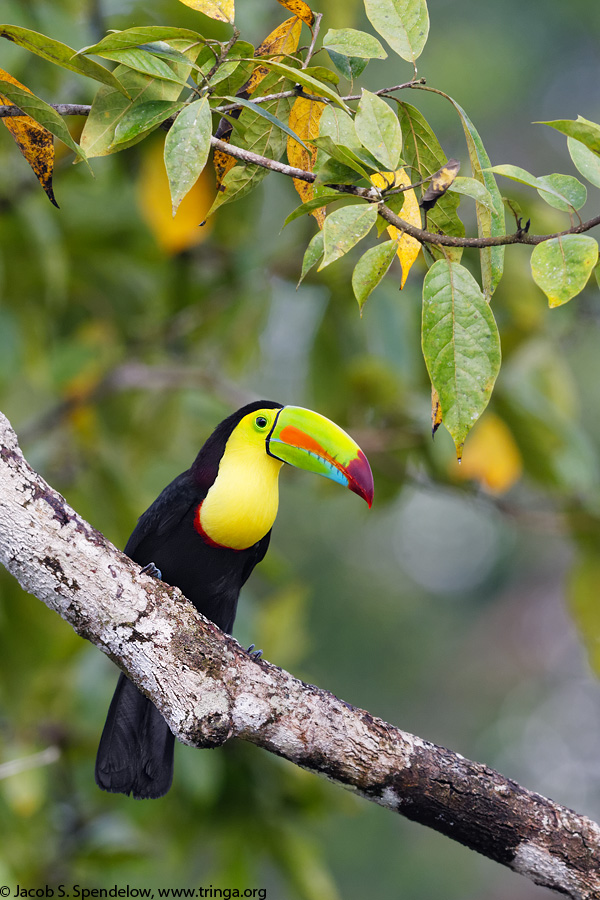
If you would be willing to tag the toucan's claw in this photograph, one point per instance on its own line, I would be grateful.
(255, 654)
(152, 570)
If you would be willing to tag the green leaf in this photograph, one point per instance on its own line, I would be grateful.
(489, 223)
(473, 188)
(61, 54)
(312, 255)
(109, 108)
(186, 148)
(342, 154)
(344, 228)
(378, 130)
(461, 346)
(585, 160)
(144, 117)
(371, 268)
(42, 112)
(581, 129)
(404, 24)
(352, 43)
(423, 153)
(259, 109)
(574, 192)
(260, 136)
(561, 266)
(582, 592)
(133, 37)
(322, 74)
(350, 66)
(144, 62)
(323, 199)
(544, 185)
(297, 76)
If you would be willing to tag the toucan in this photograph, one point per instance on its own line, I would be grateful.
(205, 533)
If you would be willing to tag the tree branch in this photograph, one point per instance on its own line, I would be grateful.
(420, 234)
(210, 690)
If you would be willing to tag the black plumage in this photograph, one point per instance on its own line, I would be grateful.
(135, 755)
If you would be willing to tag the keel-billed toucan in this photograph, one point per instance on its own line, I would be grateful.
(206, 532)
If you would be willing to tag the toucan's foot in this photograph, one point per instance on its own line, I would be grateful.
(152, 570)
(255, 654)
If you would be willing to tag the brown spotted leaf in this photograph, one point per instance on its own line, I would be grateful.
(300, 9)
(283, 40)
(35, 142)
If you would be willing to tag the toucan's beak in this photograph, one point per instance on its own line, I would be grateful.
(309, 441)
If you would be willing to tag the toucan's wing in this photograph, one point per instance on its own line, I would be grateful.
(164, 515)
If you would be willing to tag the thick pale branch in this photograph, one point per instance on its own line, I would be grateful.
(210, 690)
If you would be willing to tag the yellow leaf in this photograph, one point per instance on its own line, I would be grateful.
(35, 142)
(436, 411)
(408, 248)
(491, 456)
(222, 163)
(184, 230)
(301, 9)
(304, 120)
(222, 10)
(284, 39)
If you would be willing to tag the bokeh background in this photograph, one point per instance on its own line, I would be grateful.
(448, 609)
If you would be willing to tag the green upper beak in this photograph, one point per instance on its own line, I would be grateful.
(309, 441)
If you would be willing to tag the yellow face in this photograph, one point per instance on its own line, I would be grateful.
(241, 505)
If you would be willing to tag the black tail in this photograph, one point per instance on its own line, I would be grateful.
(135, 755)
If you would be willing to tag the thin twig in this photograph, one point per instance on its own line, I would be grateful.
(315, 34)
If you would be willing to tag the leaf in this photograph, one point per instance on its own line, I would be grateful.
(370, 269)
(492, 456)
(516, 173)
(134, 37)
(261, 137)
(582, 593)
(221, 10)
(342, 154)
(61, 54)
(322, 74)
(144, 117)
(489, 223)
(297, 76)
(350, 66)
(173, 234)
(473, 188)
(282, 41)
(378, 129)
(312, 255)
(404, 24)
(581, 129)
(305, 117)
(561, 266)
(41, 112)
(408, 247)
(352, 43)
(144, 62)
(436, 411)
(186, 148)
(422, 151)
(261, 111)
(439, 183)
(574, 192)
(585, 160)
(109, 107)
(35, 143)
(461, 346)
(344, 228)
(319, 202)
(300, 9)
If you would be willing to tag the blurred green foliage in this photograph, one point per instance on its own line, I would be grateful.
(440, 610)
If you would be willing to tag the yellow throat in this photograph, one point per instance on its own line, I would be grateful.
(241, 505)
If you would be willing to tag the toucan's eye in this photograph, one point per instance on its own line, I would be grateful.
(261, 422)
